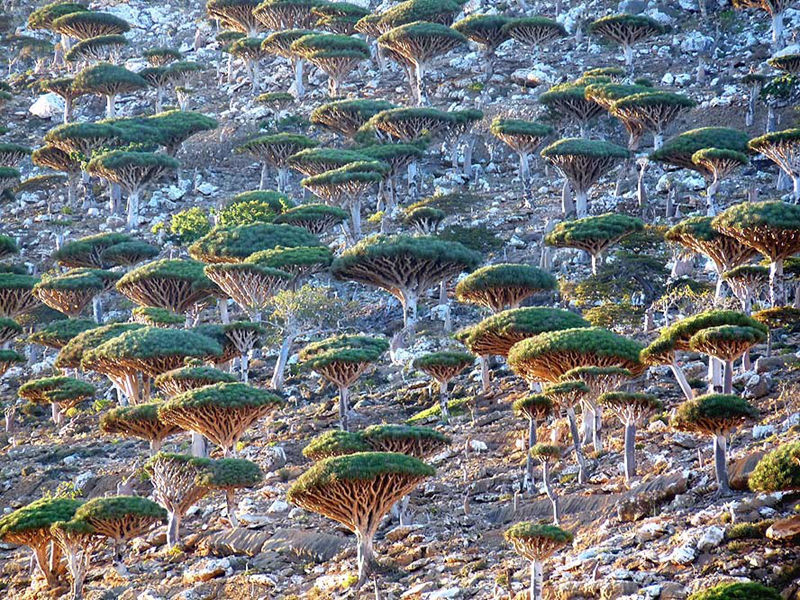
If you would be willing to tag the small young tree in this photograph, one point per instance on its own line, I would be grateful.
(537, 543)
(235, 244)
(726, 343)
(177, 482)
(594, 235)
(348, 116)
(222, 412)
(503, 286)
(9, 358)
(12, 154)
(30, 526)
(771, 228)
(105, 79)
(335, 442)
(280, 44)
(630, 408)
(141, 421)
(250, 50)
(419, 442)
(425, 220)
(698, 235)
(9, 329)
(72, 292)
(249, 284)
(61, 393)
(782, 148)
(488, 31)
(404, 266)
(747, 281)
(237, 340)
(314, 218)
(336, 55)
(583, 163)
(16, 294)
(161, 56)
(192, 376)
(654, 110)
(174, 285)
(55, 158)
(9, 178)
(275, 150)
(717, 415)
(754, 82)
(523, 137)
(566, 395)
(778, 471)
(626, 30)
(236, 14)
(229, 475)
(346, 187)
(419, 43)
(777, 318)
(341, 360)
(357, 491)
(444, 366)
(548, 455)
(568, 101)
(535, 408)
(720, 163)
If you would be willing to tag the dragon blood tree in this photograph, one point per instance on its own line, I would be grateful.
(582, 163)
(157, 317)
(42, 18)
(747, 281)
(102, 48)
(174, 127)
(9, 178)
(315, 161)
(425, 220)
(523, 137)
(192, 376)
(444, 366)
(568, 101)
(720, 163)
(235, 244)
(607, 93)
(16, 294)
(772, 228)
(404, 266)
(566, 395)
(782, 148)
(755, 82)
(495, 335)
(503, 286)
(778, 470)
(419, 43)
(251, 51)
(346, 187)
(132, 171)
(419, 442)
(280, 44)
(341, 360)
(777, 318)
(8, 247)
(12, 154)
(630, 408)
(71, 292)
(279, 15)
(698, 235)
(105, 79)
(128, 254)
(222, 412)
(678, 151)
(140, 421)
(59, 160)
(177, 482)
(626, 30)
(175, 285)
(420, 10)
(30, 526)
(334, 442)
(228, 475)
(77, 542)
(594, 235)
(717, 415)
(237, 339)
(130, 358)
(338, 17)
(9, 329)
(61, 393)
(314, 218)
(775, 9)
(87, 252)
(251, 285)
(788, 63)
(161, 56)
(534, 31)
(357, 490)
(536, 408)
(655, 110)
(300, 263)
(348, 116)
(537, 543)
(72, 341)
(547, 455)
(488, 31)
(236, 14)
(410, 124)
(86, 24)
(336, 55)
(399, 157)
(726, 343)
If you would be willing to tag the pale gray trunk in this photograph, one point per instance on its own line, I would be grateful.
(776, 287)
(410, 314)
(344, 394)
(230, 504)
(537, 580)
(597, 431)
(280, 365)
(720, 463)
(111, 101)
(199, 445)
(133, 209)
(485, 377)
(355, 220)
(680, 376)
(443, 399)
(57, 414)
(524, 168)
(418, 84)
(365, 556)
(262, 183)
(777, 30)
(751, 106)
(727, 386)
(445, 301)
(173, 529)
(581, 203)
(299, 88)
(529, 483)
(67, 110)
(576, 442)
(155, 447)
(548, 489)
(630, 451)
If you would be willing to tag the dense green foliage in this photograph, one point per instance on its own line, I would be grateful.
(778, 470)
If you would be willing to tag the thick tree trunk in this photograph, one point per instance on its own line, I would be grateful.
(418, 84)
(777, 30)
(410, 314)
(727, 386)
(576, 442)
(57, 414)
(344, 394)
(159, 99)
(173, 529)
(199, 445)
(587, 423)
(244, 364)
(630, 451)
(280, 365)
(485, 376)
(230, 506)
(529, 483)
(524, 168)
(111, 102)
(299, 87)
(445, 301)
(355, 220)
(537, 580)
(262, 183)
(581, 204)
(133, 209)
(680, 376)
(776, 288)
(365, 556)
(67, 110)
(597, 431)
(97, 309)
(720, 463)
(155, 447)
(751, 106)
(443, 399)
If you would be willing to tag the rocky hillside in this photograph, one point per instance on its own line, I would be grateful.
(669, 531)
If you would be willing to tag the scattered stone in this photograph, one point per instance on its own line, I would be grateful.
(207, 569)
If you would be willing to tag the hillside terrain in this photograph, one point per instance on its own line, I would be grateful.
(566, 239)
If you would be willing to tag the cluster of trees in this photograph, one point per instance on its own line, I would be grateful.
(271, 260)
